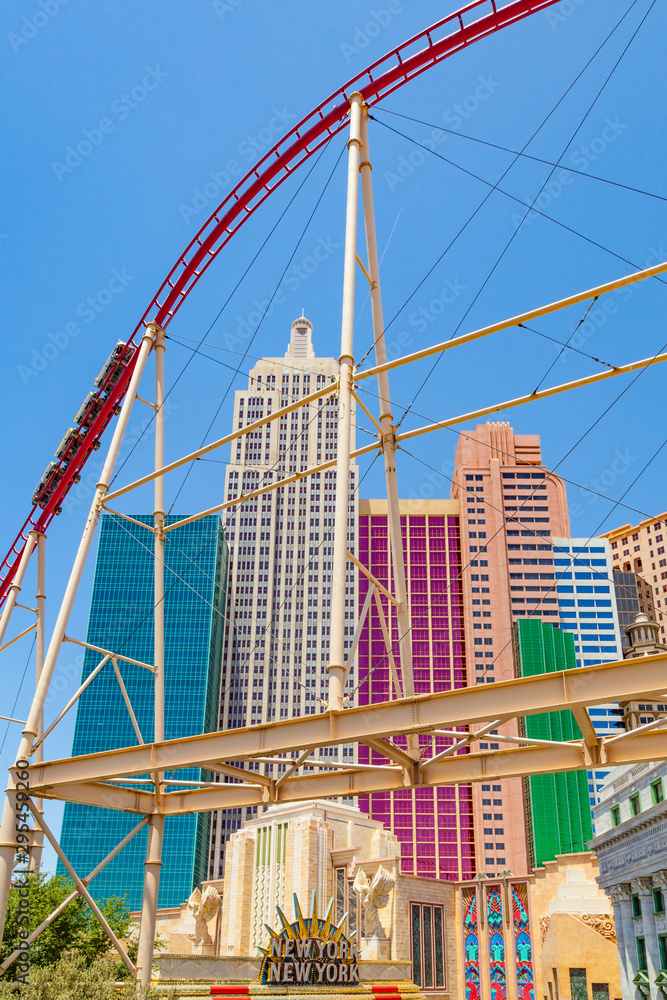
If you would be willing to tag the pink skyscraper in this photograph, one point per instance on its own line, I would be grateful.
(510, 506)
(434, 826)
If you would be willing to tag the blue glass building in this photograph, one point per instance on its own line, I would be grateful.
(587, 610)
(121, 619)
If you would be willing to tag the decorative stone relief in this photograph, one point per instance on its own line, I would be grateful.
(600, 922)
(619, 893)
(660, 880)
(643, 886)
(375, 896)
(203, 908)
(544, 927)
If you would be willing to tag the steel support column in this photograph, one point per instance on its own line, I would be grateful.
(346, 366)
(153, 861)
(388, 429)
(7, 838)
(152, 864)
(38, 842)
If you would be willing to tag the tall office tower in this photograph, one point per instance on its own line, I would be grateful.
(121, 619)
(634, 596)
(276, 646)
(643, 550)
(587, 610)
(434, 826)
(557, 805)
(511, 505)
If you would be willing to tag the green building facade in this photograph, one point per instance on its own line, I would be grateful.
(557, 805)
(121, 619)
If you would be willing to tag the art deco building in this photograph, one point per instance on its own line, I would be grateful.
(510, 508)
(276, 646)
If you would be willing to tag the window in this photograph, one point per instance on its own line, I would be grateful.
(657, 791)
(578, 984)
(636, 905)
(346, 900)
(428, 947)
(641, 955)
(635, 805)
(662, 945)
(658, 903)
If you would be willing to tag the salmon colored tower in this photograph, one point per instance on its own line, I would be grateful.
(510, 507)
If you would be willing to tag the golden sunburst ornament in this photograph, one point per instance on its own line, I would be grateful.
(310, 950)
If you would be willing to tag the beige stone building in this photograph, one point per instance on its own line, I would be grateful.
(642, 549)
(431, 938)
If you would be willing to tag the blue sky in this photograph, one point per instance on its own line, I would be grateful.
(173, 100)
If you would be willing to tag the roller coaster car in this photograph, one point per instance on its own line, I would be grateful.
(47, 485)
(69, 444)
(89, 410)
(115, 365)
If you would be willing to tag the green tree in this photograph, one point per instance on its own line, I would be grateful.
(72, 978)
(75, 929)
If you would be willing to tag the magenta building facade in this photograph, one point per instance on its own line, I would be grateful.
(434, 826)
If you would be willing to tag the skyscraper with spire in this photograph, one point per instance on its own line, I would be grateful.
(276, 644)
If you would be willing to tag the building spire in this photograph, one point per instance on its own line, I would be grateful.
(301, 339)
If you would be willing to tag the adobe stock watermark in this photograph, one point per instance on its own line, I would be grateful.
(420, 319)
(88, 310)
(609, 305)
(603, 481)
(434, 483)
(453, 117)
(295, 276)
(561, 12)
(121, 108)
(224, 7)
(219, 182)
(364, 33)
(580, 159)
(32, 24)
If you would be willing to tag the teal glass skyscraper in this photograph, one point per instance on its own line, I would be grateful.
(121, 620)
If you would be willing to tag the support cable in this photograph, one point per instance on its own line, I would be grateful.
(266, 309)
(531, 206)
(495, 186)
(523, 155)
(225, 304)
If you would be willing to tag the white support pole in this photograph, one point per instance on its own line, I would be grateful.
(38, 842)
(7, 839)
(68, 899)
(152, 866)
(83, 891)
(388, 429)
(158, 528)
(346, 366)
(17, 582)
(153, 861)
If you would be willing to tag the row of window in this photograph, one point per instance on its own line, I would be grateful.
(657, 792)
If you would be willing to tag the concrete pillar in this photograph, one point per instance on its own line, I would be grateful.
(620, 896)
(644, 888)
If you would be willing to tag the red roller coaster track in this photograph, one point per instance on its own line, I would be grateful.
(381, 78)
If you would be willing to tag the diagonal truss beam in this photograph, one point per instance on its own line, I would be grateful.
(471, 767)
(570, 689)
(326, 390)
(506, 324)
(532, 397)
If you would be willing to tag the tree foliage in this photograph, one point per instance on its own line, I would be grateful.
(73, 978)
(75, 930)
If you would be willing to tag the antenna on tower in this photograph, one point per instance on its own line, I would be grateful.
(303, 312)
